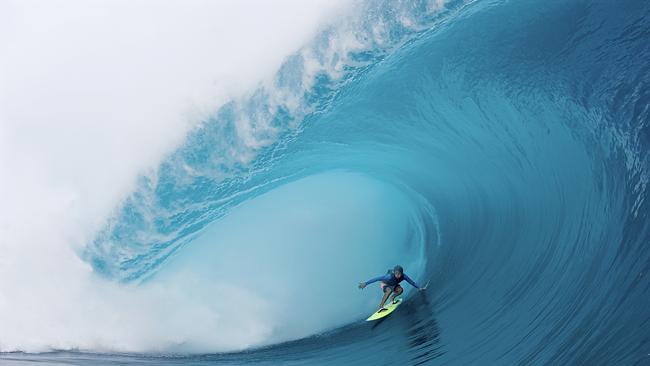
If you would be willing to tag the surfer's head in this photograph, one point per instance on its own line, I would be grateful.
(398, 271)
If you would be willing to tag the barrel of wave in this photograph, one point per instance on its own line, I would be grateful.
(285, 265)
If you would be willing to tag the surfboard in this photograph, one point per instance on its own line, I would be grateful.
(389, 309)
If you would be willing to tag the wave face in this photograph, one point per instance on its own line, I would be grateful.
(498, 150)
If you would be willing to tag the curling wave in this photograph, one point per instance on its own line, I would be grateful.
(497, 149)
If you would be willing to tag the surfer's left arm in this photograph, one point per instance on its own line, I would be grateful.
(410, 281)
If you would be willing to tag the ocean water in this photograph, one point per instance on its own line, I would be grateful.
(498, 150)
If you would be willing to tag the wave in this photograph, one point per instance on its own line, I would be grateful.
(496, 149)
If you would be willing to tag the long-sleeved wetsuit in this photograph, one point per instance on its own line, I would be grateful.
(392, 281)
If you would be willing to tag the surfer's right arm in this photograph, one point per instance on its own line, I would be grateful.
(378, 278)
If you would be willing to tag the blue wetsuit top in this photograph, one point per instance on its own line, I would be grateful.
(391, 280)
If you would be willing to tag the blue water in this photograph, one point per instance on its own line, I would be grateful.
(499, 150)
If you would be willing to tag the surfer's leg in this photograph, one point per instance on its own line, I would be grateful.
(397, 292)
(387, 290)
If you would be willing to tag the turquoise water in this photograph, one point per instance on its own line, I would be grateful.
(498, 149)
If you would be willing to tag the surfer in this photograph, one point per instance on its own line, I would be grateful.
(390, 284)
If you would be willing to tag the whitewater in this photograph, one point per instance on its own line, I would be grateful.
(208, 183)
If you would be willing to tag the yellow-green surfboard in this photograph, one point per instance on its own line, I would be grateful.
(389, 309)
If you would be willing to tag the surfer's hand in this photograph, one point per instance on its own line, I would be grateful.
(423, 287)
(362, 284)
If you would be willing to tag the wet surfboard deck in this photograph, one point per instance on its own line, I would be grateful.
(389, 309)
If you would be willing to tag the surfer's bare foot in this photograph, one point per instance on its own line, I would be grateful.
(394, 301)
(382, 309)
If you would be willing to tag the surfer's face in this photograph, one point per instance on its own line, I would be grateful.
(398, 274)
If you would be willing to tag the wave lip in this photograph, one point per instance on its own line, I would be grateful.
(217, 167)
